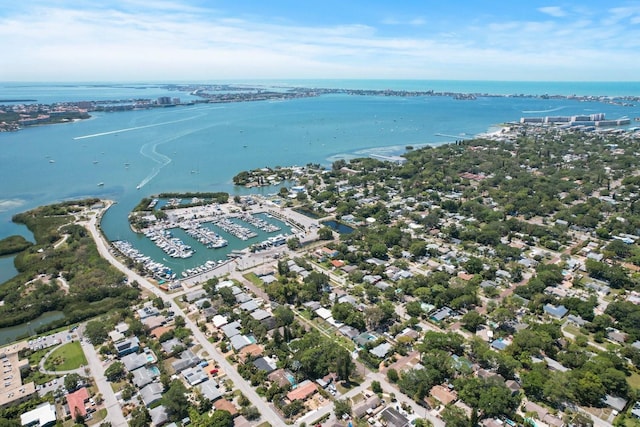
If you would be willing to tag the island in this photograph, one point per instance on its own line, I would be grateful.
(489, 281)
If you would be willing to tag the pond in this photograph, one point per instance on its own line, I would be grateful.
(339, 227)
(12, 333)
(305, 212)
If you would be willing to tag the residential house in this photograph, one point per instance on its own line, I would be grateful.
(304, 390)
(151, 394)
(281, 377)
(210, 390)
(443, 394)
(194, 375)
(187, 360)
(142, 377)
(135, 361)
(441, 314)
(128, 346)
(266, 364)
(159, 416)
(381, 350)
(238, 342)
(555, 311)
(169, 345)
(394, 418)
(543, 414)
(366, 406)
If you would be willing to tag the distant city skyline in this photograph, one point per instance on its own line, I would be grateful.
(206, 40)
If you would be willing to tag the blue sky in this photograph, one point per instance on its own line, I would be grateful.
(209, 40)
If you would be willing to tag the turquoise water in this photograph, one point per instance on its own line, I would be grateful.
(201, 147)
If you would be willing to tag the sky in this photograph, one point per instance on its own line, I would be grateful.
(209, 40)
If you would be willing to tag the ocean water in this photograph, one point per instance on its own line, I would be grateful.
(201, 147)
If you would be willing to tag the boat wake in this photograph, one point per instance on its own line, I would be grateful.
(135, 128)
(543, 111)
(149, 150)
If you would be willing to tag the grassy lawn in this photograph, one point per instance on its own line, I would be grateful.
(69, 356)
(629, 421)
(117, 386)
(357, 398)
(38, 377)
(251, 277)
(36, 356)
(265, 424)
(97, 417)
(572, 329)
(634, 380)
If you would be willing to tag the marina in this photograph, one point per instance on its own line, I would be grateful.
(157, 269)
(207, 237)
(237, 230)
(217, 234)
(172, 246)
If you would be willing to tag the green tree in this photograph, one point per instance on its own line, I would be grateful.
(379, 250)
(221, 418)
(140, 417)
(251, 413)
(472, 320)
(284, 315)
(342, 407)
(455, 417)
(293, 243)
(115, 372)
(473, 265)
(72, 381)
(179, 321)
(96, 331)
(392, 375)
(175, 401)
(325, 233)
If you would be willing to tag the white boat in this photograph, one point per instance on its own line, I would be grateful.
(101, 184)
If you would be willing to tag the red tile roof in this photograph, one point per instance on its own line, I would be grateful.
(303, 391)
(76, 401)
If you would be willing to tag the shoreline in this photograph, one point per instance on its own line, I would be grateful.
(67, 111)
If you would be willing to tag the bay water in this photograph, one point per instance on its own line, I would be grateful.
(125, 156)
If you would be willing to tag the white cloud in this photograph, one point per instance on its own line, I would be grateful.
(555, 11)
(177, 42)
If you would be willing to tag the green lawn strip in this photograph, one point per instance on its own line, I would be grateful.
(69, 356)
(634, 380)
(253, 278)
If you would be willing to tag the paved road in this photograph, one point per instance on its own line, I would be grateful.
(268, 414)
(114, 412)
